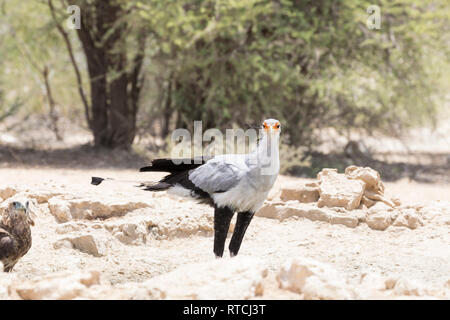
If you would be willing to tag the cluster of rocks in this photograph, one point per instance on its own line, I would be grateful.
(86, 222)
(237, 278)
(94, 237)
(343, 198)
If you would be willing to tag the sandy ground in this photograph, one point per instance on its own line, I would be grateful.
(422, 254)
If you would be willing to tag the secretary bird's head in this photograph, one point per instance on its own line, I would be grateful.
(271, 127)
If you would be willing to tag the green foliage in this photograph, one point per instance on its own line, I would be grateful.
(8, 110)
(312, 64)
(29, 44)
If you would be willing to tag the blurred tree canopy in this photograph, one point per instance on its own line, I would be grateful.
(312, 64)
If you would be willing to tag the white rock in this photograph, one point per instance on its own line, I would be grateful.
(336, 190)
(313, 279)
(62, 286)
(71, 226)
(377, 196)
(271, 210)
(6, 278)
(367, 202)
(235, 278)
(408, 218)
(379, 207)
(183, 225)
(373, 281)
(370, 176)
(42, 195)
(60, 208)
(65, 209)
(7, 192)
(405, 287)
(348, 220)
(300, 192)
(63, 244)
(83, 242)
(437, 212)
(371, 286)
(132, 232)
(276, 210)
(379, 220)
(274, 194)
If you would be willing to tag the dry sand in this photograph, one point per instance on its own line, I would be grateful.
(421, 255)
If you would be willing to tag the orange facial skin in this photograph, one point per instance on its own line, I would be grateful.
(275, 127)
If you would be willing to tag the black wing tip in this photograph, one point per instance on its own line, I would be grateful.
(175, 165)
(96, 181)
(160, 186)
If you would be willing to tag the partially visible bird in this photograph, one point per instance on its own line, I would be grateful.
(230, 183)
(15, 233)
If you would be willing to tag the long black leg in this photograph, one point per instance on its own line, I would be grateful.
(222, 219)
(242, 222)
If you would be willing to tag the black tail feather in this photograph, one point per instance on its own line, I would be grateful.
(160, 186)
(96, 181)
(174, 165)
(178, 175)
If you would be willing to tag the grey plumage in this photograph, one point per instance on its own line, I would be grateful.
(216, 176)
(230, 183)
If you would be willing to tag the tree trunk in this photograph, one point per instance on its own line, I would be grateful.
(167, 112)
(52, 105)
(115, 82)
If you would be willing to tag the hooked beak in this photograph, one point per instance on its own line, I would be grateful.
(29, 214)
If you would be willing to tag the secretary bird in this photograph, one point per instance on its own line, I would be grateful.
(230, 183)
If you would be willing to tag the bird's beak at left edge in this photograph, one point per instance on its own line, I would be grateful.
(30, 214)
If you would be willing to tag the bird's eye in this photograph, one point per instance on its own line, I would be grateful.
(265, 125)
(277, 126)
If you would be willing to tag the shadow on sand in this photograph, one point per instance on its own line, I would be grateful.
(89, 157)
(84, 156)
